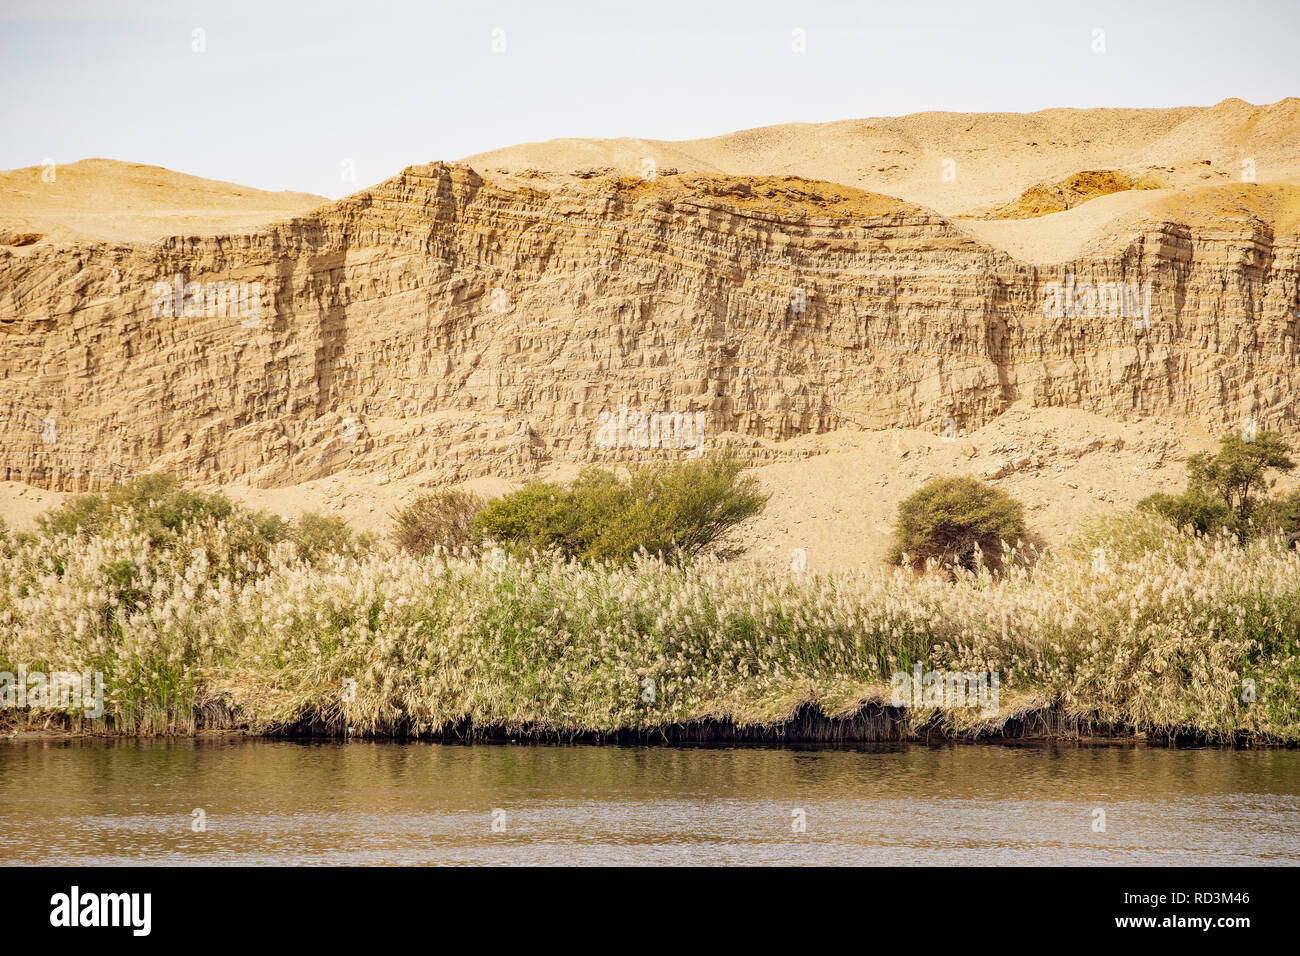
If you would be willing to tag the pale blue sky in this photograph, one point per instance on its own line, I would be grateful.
(287, 91)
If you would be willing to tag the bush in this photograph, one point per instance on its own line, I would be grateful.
(1280, 516)
(953, 520)
(664, 510)
(316, 535)
(160, 504)
(540, 516)
(253, 533)
(440, 519)
(164, 509)
(1193, 509)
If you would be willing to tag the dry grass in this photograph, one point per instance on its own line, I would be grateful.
(1159, 635)
(440, 519)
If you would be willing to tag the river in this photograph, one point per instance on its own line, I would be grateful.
(242, 801)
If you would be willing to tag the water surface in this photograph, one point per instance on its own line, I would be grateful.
(115, 802)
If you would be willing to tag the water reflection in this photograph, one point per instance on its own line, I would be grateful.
(110, 802)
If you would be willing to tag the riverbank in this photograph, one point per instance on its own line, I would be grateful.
(1134, 629)
(872, 723)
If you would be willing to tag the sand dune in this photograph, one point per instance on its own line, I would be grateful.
(1061, 236)
(995, 159)
(111, 201)
(1043, 199)
(997, 156)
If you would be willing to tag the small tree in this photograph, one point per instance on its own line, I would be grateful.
(1237, 472)
(1225, 491)
(952, 520)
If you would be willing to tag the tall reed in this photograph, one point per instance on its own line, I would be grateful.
(1165, 631)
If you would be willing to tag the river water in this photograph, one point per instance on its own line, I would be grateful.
(261, 801)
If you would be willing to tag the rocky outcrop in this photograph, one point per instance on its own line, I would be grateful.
(1045, 198)
(443, 324)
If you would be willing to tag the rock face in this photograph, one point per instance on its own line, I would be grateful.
(444, 324)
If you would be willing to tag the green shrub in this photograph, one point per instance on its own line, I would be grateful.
(160, 504)
(1193, 509)
(664, 510)
(317, 535)
(253, 533)
(684, 507)
(439, 519)
(540, 516)
(1280, 516)
(958, 522)
(163, 510)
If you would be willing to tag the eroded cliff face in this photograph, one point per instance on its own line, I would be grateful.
(442, 324)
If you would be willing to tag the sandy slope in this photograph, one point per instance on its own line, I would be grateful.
(108, 200)
(836, 496)
(997, 155)
(1062, 236)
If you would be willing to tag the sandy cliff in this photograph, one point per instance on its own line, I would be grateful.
(443, 323)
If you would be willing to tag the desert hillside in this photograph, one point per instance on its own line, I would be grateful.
(1002, 165)
(108, 201)
(835, 495)
(996, 156)
(816, 298)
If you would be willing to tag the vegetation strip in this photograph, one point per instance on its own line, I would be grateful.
(199, 615)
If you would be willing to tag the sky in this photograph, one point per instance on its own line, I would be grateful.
(331, 96)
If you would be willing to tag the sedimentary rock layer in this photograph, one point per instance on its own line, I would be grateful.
(445, 324)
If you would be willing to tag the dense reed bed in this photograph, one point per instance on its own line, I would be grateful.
(1132, 626)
